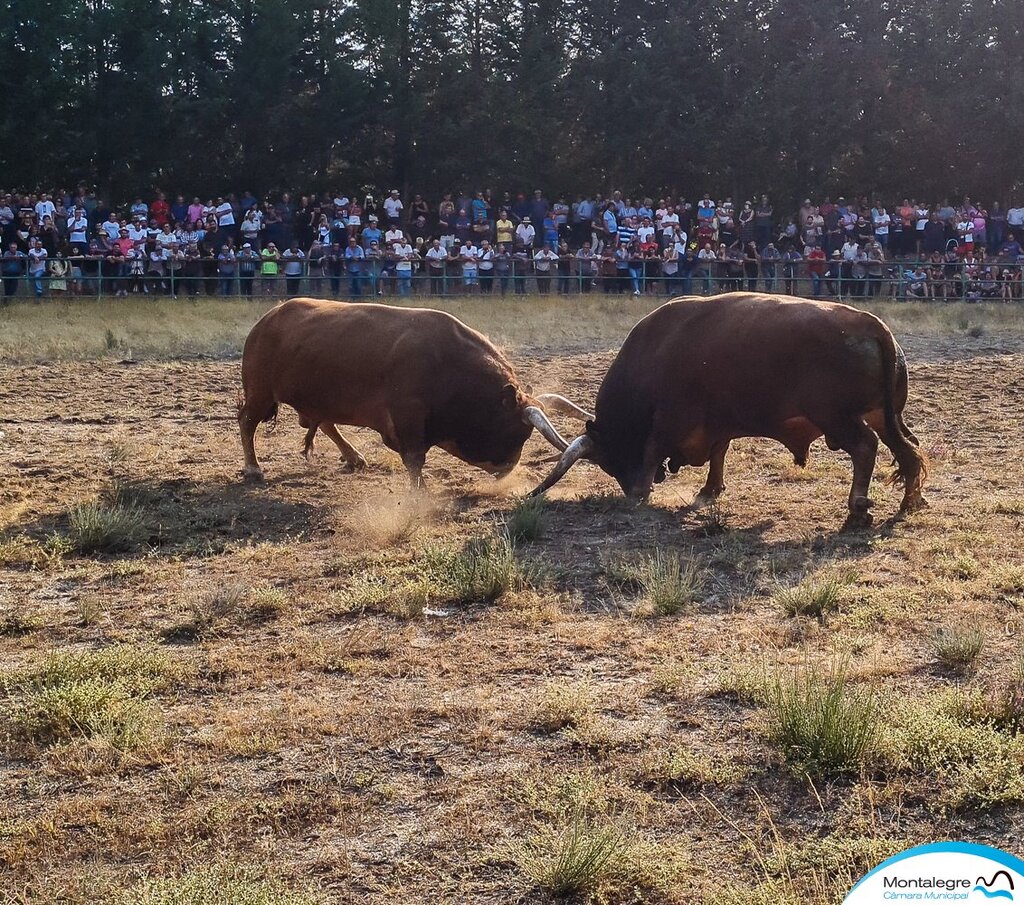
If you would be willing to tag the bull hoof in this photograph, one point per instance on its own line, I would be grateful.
(252, 476)
(352, 467)
(707, 496)
(913, 505)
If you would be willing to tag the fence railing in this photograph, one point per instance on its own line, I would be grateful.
(945, 281)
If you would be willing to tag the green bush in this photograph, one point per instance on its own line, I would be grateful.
(216, 885)
(816, 598)
(526, 521)
(100, 528)
(97, 694)
(823, 726)
(957, 648)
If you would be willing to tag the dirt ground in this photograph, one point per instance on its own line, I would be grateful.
(365, 754)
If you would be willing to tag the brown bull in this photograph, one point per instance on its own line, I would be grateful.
(697, 373)
(420, 378)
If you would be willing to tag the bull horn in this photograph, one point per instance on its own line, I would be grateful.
(580, 448)
(535, 416)
(564, 407)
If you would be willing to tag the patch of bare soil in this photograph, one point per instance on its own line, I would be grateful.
(391, 752)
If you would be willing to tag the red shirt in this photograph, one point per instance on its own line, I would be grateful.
(160, 211)
(816, 261)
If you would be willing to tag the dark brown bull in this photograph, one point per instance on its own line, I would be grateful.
(697, 373)
(420, 378)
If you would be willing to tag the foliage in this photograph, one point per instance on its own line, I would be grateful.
(301, 94)
(824, 726)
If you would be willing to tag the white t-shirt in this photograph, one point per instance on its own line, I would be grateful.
(668, 221)
(137, 233)
(526, 233)
(472, 253)
(165, 239)
(644, 234)
(403, 250)
(486, 259)
(392, 207)
(45, 209)
(293, 262)
(542, 260)
(225, 215)
(882, 222)
(78, 229)
(112, 228)
(37, 260)
(394, 235)
(437, 256)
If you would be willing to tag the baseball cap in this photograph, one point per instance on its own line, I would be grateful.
(246, 245)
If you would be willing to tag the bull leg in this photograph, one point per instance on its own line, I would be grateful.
(249, 418)
(857, 439)
(353, 460)
(714, 486)
(414, 460)
(911, 468)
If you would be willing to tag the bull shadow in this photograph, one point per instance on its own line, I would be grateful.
(182, 517)
(587, 543)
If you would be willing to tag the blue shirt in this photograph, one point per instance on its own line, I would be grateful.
(354, 257)
(585, 210)
(611, 224)
(370, 234)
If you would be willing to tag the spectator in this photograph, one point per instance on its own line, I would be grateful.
(543, 261)
(334, 264)
(37, 257)
(525, 235)
(791, 259)
(315, 267)
(13, 269)
(393, 209)
(816, 266)
(355, 255)
(770, 256)
(751, 263)
(503, 266)
(293, 259)
(404, 256)
(270, 258)
(227, 269)
(485, 267)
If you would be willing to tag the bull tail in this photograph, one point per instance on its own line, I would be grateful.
(269, 414)
(911, 464)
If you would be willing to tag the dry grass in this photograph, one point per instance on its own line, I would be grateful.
(448, 698)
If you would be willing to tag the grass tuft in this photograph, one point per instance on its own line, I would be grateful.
(484, 570)
(106, 528)
(576, 860)
(564, 705)
(268, 602)
(525, 523)
(958, 647)
(665, 582)
(823, 726)
(816, 598)
(97, 694)
(216, 885)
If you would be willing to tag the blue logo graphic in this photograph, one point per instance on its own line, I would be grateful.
(942, 871)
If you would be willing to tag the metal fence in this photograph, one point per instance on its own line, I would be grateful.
(902, 280)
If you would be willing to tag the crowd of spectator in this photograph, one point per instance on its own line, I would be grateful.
(54, 242)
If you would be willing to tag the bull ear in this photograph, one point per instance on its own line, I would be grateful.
(591, 430)
(509, 397)
(528, 389)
